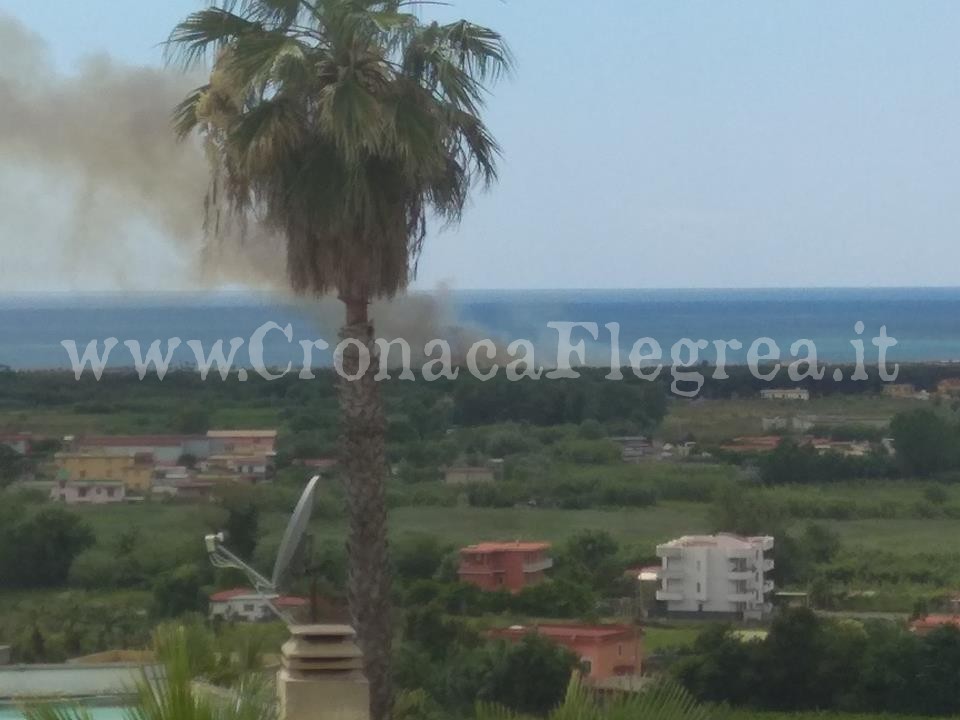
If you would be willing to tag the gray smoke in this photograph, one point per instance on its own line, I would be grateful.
(126, 194)
(96, 193)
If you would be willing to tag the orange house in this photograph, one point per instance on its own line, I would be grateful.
(504, 566)
(605, 651)
(921, 626)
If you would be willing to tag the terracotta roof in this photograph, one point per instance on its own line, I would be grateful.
(492, 547)
(567, 632)
(930, 622)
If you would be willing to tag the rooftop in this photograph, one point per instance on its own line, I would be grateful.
(135, 440)
(931, 622)
(250, 594)
(247, 434)
(718, 540)
(568, 632)
(516, 546)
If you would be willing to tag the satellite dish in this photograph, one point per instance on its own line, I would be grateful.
(293, 535)
(221, 557)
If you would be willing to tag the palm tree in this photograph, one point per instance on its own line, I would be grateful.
(663, 700)
(343, 125)
(184, 654)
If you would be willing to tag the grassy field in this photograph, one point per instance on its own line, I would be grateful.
(868, 491)
(903, 537)
(635, 528)
(717, 420)
(640, 528)
(656, 638)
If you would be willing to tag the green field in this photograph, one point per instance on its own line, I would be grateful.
(714, 420)
(636, 527)
(902, 537)
(641, 527)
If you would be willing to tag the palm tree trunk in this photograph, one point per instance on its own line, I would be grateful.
(363, 460)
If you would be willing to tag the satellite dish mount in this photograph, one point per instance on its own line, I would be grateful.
(268, 589)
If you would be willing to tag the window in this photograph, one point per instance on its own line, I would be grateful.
(248, 607)
(698, 588)
(620, 649)
(698, 566)
(82, 492)
(109, 492)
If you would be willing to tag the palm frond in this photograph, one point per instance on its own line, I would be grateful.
(254, 58)
(205, 30)
(661, 700)
(281, 13)
(344, 125)
(185, 118)
(480, 51)
(53, 711)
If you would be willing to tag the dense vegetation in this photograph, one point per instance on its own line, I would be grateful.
(858, 533)
(812, 663)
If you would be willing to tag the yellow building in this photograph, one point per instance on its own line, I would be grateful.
(136, 473)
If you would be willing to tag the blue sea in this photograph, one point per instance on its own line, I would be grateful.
(924, 322)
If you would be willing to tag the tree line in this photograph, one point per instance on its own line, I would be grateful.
(807, 662)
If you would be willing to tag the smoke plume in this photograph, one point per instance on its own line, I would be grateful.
(97, 194)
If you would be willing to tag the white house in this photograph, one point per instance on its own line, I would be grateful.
(88, 492)
(247, 605)
(720, 575)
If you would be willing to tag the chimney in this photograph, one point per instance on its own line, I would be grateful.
(321, 677)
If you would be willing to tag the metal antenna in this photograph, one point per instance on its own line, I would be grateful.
(221, 557)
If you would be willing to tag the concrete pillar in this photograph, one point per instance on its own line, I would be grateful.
(321, 677)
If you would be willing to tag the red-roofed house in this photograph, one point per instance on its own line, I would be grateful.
(247, 605)
(923, 625)
(504, 566)
(605, 651)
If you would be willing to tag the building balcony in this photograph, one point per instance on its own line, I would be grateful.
(674, 572)
(667, 551)
(767, 586)
(740, 575)
(741, 597)
(538, 565)
(669, 595)
(767, 565)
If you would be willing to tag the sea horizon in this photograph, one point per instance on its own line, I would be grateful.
(924, 320)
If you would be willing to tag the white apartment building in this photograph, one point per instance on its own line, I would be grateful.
(724, 575)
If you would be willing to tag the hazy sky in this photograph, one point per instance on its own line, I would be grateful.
(671, 143)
